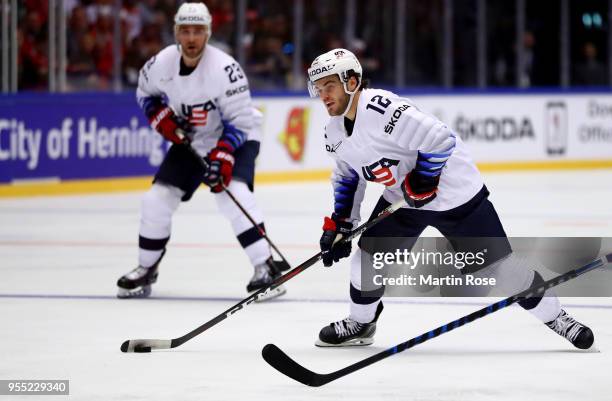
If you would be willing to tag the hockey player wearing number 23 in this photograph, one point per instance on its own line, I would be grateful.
(374, 135)
(197, 96)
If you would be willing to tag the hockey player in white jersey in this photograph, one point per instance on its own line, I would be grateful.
(196, 95)
(375, 135)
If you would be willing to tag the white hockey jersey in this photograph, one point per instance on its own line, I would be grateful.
(214, 95)
(388, 134)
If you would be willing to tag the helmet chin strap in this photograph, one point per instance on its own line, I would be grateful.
(351, 97)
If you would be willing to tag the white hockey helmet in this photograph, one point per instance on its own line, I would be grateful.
(337, 61)
(193, 14)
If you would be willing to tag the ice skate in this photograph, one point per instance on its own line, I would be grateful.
(348, 332)
(137, 283)
(265, 273)
(575, 332)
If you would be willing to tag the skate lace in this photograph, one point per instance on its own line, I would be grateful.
(566, 326)
(137, 273)
(347, 327)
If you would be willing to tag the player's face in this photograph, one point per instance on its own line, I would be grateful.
(332, 94)
(192, 39)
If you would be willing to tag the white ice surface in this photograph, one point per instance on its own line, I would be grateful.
(61, 256)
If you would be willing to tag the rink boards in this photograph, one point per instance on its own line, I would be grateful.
(94, 142)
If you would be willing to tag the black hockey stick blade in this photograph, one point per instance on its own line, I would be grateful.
(145, 345)
(287, 366)
(284, 364)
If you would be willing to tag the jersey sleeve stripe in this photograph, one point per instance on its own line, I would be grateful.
(232, 136)
(344, 193)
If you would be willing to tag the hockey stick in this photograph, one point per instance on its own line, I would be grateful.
(287, 366)
(146, 345)
(260, 230)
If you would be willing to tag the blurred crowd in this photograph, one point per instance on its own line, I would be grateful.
(147, 27)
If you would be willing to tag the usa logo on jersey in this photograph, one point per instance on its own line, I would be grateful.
(197, 114)
(380, 171)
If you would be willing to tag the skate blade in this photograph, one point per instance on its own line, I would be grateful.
(138, 292)
(355, 342)
(274, 293)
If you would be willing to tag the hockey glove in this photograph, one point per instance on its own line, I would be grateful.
(170, 126)
(332, 227)
(220, 163)
(419, 189)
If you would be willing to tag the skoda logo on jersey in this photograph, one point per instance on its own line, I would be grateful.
(198, 113)
(380, 171)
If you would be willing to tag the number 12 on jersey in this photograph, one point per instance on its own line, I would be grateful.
(381, 101)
